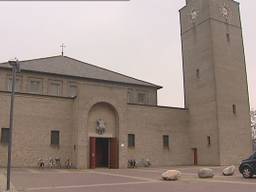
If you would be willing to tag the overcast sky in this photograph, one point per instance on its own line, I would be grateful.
(139, 38)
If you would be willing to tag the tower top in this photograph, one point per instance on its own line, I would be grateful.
(187, 1)
(190, 1)
(197, 12)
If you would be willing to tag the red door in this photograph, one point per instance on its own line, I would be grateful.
(195, 156)
(92, 152)
(113, 153)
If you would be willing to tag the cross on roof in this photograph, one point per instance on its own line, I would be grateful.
(62, 48)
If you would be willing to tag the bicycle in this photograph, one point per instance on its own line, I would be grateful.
(68, 164)
(143, 163)
(131, 163)
(54, 163)
(40, 163)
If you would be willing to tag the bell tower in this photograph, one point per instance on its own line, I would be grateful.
(215, 81)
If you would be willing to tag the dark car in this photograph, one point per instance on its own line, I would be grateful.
(248, 166)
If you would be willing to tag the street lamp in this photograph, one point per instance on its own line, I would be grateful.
(15, 68)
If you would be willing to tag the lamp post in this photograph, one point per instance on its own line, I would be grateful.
(15, 68)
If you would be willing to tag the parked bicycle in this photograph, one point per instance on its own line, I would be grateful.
(40, 163)
(51, 163)
(54, 163)
(68, 164)
(132, 163)
(143, 163)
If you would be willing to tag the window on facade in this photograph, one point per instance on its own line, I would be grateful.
(131, 140)
(228, 37)
(141, 97)
(72, 92)
(5, 135)
(208, 140)
(234, 108)
(17, 85)
(129, 96)
(55, 137)
(35, 86)
(166, 141)
(55, 88)
(197, 73)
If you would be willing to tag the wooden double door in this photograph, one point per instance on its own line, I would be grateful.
(103, 152)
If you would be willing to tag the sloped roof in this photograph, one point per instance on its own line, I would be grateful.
(63, 65)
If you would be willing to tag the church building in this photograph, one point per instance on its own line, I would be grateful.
(95, 117)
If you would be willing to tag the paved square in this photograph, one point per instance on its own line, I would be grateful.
(126, 180)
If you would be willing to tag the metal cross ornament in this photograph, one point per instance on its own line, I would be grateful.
(62, 48)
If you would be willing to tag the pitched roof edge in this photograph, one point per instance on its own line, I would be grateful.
(154, 85)
(28, 60)
(80, 77)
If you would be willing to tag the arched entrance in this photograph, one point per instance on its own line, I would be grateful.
(103, 136)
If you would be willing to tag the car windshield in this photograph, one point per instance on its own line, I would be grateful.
(253, 156)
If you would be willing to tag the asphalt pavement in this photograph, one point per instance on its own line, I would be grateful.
(126, 180)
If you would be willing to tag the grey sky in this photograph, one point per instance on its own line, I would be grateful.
(140, 38)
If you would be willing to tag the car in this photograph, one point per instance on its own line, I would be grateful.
(248, 166)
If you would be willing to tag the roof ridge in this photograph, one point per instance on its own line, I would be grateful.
(40, 58)
(114, 72)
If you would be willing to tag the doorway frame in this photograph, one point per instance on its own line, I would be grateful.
(113, 152)
(195, 156)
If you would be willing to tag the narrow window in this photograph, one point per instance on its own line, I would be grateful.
(198, 74)
(55, 137)
(234, 109)
(209, 140)
(35, 86)
(55, 88)
(166, 141)
(130, 96)
(17, 85)
(131, 140)
(9, 86)
(228, 37)
(141, 98)
(5, 135)
(72, 90)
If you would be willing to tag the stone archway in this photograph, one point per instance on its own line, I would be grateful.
(103, 136)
